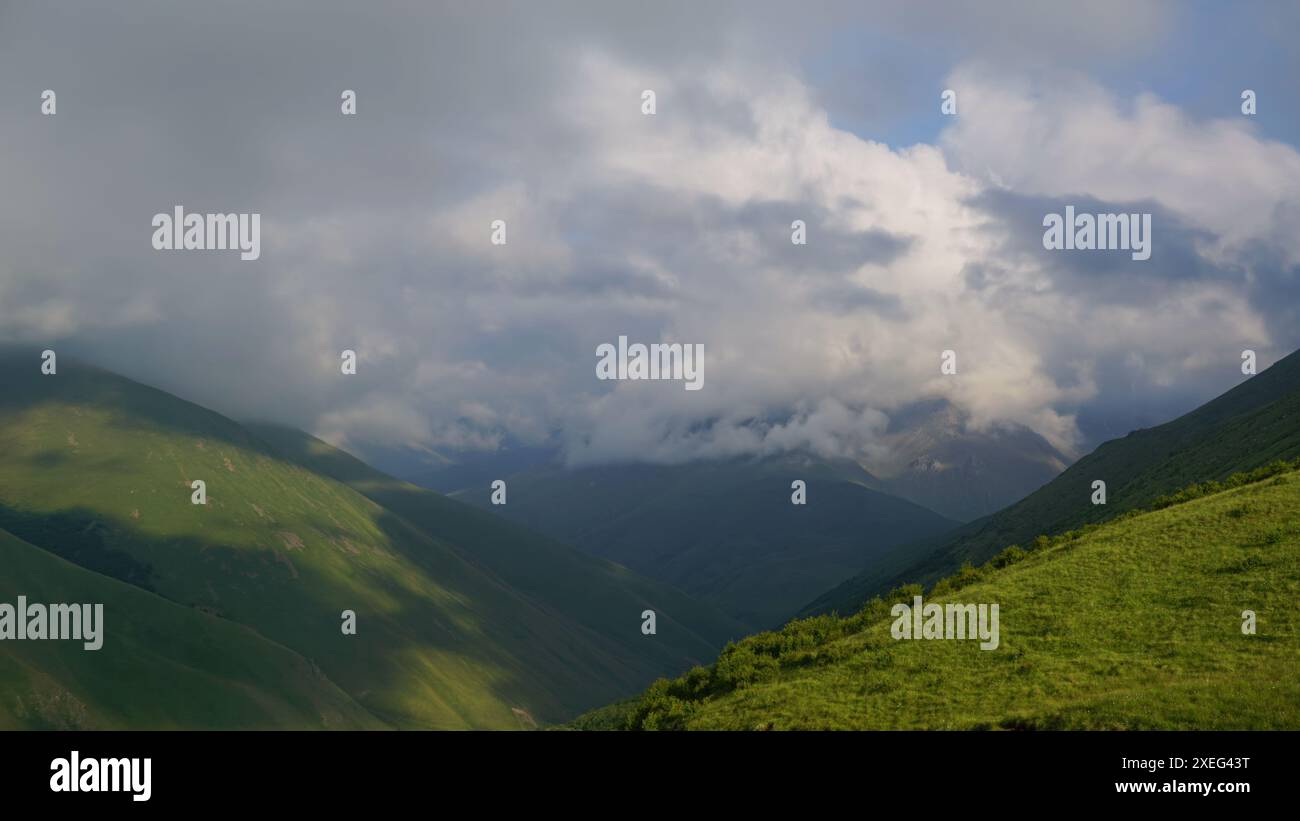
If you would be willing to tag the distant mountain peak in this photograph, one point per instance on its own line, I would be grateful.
(1253, 424)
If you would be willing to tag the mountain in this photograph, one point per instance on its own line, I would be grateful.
(1133, 624)
(449, 470)
(463, 621)
(938, 461)
(930, 454)
(724, 532)
(1253, 424)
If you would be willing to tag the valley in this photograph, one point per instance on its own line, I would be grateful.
(724, 532)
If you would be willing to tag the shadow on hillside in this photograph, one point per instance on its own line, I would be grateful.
(80, 536)
(518, 653)
(529, 561)
(586, 669)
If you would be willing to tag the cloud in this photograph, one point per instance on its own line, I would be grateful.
(669, 228)
(1062, 134)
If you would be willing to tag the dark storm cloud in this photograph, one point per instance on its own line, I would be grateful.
(1259, 271)
(1113, 275)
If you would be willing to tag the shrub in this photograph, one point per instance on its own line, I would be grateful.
(659, 709)
(968, 575)
(739, 666)
(1009, 556)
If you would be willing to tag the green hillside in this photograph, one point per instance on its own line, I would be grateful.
(97, 469)
(1253, 424)
(1133, 624)
(161, 666)
(593, 592)
(725, 531)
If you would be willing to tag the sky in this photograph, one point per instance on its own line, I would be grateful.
(924, 229)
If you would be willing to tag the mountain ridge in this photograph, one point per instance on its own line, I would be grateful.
(1254, 423)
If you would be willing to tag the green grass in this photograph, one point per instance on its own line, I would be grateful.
(1132, 624)
(162, 666)
(1253, 424)
(452, 630)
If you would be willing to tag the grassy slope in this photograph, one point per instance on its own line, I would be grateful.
(161, 666)
(97, 468)
(1132, 624)
(594, 592)
(1251, 425)
(724, 532)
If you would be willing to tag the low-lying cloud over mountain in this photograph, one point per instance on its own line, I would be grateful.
(924, 230)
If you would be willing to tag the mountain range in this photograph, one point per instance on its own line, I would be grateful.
(464, 620)
(227, 613)
(724, 530)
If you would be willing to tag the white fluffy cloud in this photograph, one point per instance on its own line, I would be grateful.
(666, 228)
(1026, 348)
(1063, 134)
